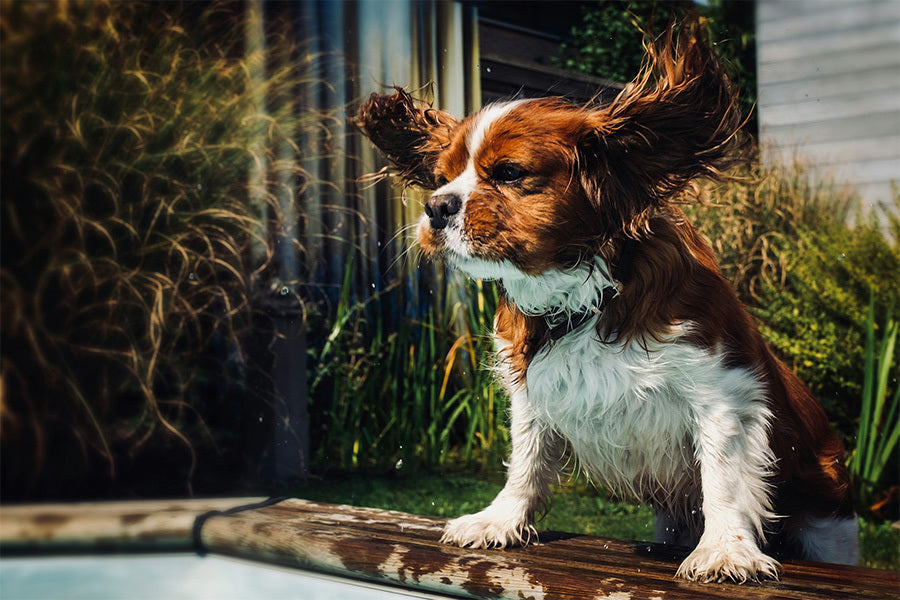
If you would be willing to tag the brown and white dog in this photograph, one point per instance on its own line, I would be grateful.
(618, 339)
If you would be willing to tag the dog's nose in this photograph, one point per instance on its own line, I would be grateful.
(440, 207)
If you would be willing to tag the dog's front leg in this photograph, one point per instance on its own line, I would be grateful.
(731, 446)
(533, 466)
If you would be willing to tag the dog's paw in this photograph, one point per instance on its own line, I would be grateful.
(737, 561)
(490, 528)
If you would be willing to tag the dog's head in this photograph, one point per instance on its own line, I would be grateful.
(526, 186)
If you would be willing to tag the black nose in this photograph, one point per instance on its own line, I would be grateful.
(440, 207)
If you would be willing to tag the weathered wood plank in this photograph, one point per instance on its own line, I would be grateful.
(154, 524)
(869, 126)
(404, 550)
(843, 152)
(816, 110)
(391, 547)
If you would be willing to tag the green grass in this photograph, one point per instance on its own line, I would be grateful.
(575, 509)
(879, 545)
(436, 495)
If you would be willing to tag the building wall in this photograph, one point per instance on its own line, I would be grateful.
(829, 89)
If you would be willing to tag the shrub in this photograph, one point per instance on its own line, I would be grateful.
(134, 229)
(879, 545)
(806, 260)
(608, 41)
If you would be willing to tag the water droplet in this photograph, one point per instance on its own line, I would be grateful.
(199, 187)
(260, 419)
(285, 290)
(488, 69)
(192, 277)
(399, 465)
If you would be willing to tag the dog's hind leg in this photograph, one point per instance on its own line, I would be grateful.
(673, 532)
(833, 539)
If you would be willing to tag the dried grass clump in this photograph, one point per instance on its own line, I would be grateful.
(140, 179)
(753, 222)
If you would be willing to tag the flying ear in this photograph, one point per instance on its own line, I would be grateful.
(676, 121)
(410, 134)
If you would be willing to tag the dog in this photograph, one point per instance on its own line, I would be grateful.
(617, 338)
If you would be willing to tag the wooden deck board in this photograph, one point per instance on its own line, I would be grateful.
(387, 546)
(129, 525)
(401, 549)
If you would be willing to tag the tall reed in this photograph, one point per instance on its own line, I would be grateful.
(879, 420)
(408, 394)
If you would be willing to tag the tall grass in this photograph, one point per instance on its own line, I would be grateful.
(753, 222)
(411, 394)
(135, 241)
(879, 420)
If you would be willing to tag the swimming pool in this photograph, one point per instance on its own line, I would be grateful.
(176, 576)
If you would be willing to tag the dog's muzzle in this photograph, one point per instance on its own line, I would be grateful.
(441, 207)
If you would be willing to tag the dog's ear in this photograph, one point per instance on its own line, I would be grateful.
(675, 122)
(410, 134)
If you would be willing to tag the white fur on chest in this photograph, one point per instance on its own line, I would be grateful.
(628, 413)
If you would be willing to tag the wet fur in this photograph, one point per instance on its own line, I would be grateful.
(670, 395)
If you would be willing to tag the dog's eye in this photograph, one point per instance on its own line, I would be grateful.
(507, 173)
(440, 180)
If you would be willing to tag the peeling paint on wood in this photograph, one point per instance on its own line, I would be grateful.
(403, 550)
(390, 547)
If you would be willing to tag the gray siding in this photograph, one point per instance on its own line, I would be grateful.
(829, 89)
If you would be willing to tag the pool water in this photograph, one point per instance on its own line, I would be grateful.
(175, 577)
